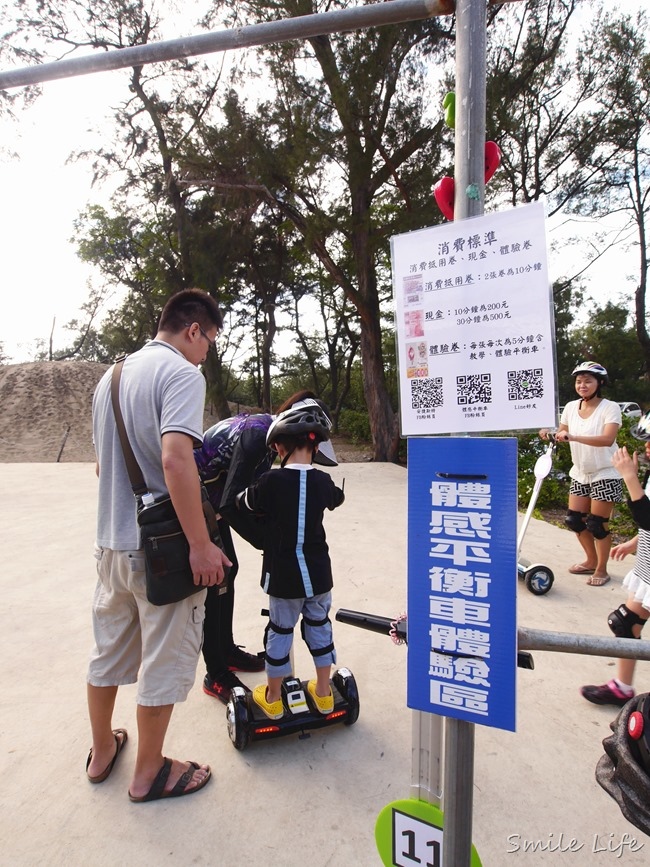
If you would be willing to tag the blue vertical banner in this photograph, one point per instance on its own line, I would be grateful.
(462, 578)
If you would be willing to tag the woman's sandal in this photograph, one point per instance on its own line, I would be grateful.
(580, 569)
(600, 581)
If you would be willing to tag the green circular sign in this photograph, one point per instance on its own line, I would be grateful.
(409, 833)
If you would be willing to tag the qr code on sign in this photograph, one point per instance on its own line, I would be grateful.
(475, 388)
(426, 393)
(525, 384)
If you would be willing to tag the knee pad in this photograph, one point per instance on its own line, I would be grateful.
(594, 524)
(622, 620)
(575, 520)
(321, 651)
(281, 630)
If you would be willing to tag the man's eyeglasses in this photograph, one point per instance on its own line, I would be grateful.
(212, 344)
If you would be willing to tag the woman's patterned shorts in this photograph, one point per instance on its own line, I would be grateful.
(605, 490)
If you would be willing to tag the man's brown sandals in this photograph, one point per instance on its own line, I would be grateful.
(121, 738)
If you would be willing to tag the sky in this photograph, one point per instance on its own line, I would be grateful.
(43, 282)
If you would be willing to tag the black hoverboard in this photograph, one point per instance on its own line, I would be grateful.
(247, 722)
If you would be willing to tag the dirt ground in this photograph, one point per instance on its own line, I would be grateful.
(46, 414)
(46, 417)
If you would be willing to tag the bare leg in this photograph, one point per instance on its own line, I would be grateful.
(602, 546)
(273, 689)
(589, 547)
(625, 670)
(323, 681)
(583, 505)
(152, 728)
(625, 667)
(101, 701)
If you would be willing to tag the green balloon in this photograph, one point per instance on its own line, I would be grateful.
(449, 105)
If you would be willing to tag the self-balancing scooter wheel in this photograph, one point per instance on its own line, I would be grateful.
(539, 580)
(237, 718)
(345, 683)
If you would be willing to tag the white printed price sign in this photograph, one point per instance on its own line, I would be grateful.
(474, 323)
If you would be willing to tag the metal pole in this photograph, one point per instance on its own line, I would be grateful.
(593, 645)
(469, 167)
(303, 27)
(457, 793)
(469, 178)
(426, 767)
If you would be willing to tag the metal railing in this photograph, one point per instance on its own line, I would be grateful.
(302, 27)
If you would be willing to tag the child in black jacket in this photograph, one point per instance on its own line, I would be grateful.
(296, 567)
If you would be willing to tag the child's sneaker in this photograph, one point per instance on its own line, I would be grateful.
(273, 709)
(324, 703)
(608, 693)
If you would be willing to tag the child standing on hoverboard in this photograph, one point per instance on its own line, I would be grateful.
(629, 619)
(296, 567)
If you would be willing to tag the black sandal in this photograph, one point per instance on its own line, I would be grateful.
(157, 790)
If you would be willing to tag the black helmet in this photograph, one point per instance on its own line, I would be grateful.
(594, 369)
(641, 429)
(623, 770)
(305, 417)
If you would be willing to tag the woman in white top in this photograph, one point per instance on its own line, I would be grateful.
(590, 425)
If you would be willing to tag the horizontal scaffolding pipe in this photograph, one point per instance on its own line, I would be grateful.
(303, 27)
(592, 645)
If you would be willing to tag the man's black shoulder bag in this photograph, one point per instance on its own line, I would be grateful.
(166, 549)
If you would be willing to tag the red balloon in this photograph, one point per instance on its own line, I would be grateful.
(492, 159)
(443, 193)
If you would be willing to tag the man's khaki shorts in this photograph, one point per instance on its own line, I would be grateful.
(156, 646)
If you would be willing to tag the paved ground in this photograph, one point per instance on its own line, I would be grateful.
(291, 802)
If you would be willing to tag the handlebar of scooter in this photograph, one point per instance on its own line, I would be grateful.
(373, 622)
(399, 630)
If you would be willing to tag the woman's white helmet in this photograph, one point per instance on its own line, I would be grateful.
(593, 368)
